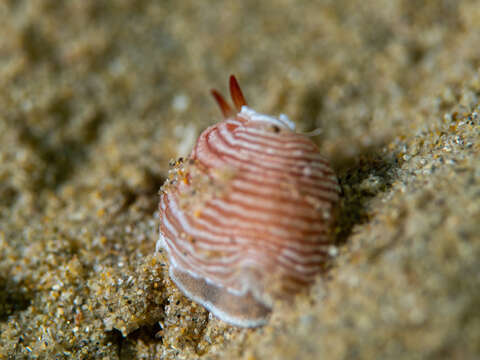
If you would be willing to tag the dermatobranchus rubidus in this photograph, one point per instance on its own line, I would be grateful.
(245, 218)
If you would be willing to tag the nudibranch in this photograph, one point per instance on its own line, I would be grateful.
(245, 218)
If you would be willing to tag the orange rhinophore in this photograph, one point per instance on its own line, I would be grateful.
(258, 202)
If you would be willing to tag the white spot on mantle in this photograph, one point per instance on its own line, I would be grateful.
(252, 115)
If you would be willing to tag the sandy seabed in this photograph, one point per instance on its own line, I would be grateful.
(97, 96)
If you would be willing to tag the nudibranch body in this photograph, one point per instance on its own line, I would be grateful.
(245, 219)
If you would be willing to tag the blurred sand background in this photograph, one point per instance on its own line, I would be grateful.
(97, 96)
